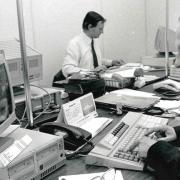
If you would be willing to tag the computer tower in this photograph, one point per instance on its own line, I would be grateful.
(12, 53)
(43, 155)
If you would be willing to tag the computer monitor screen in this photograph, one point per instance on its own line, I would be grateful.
(7, 107)
(160, 41)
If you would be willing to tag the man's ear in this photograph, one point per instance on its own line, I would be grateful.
(90, 26)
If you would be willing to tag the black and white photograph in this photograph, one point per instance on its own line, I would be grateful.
(90, 89)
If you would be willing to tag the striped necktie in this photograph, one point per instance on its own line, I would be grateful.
(95, 61)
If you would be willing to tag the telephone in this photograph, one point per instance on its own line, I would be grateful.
(74, 136)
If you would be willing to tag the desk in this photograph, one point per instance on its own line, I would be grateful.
(78, 166)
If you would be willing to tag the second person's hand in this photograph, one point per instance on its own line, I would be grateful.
(143, 145)
(168, 131)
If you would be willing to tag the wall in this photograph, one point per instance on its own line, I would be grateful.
(174, 13)
(155, 13)
(125, 31)
(9, 23)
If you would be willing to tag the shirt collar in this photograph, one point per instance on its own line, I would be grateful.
(86, 38)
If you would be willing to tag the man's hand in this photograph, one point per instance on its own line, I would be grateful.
(143, 145)
(100, 68)
(117, 62)
(79, 75)
(169, 132)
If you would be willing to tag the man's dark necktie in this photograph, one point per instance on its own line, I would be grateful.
(95, 61)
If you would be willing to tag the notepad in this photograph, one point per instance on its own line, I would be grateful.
(82, 113)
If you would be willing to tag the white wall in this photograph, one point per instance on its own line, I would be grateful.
(124, 35)
(155, 13)
(8, 19)
(9, 22)
(174, 13)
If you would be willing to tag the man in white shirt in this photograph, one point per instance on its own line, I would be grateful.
(83, 52)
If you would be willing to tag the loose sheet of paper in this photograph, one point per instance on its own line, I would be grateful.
(168, 104)
(89, 176)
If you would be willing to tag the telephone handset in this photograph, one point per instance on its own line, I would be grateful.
(74, 138)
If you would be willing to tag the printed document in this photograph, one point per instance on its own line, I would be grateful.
(81, 112)
(90, 176)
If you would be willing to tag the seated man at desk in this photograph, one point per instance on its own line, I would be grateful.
(163, 154)
(83, 52)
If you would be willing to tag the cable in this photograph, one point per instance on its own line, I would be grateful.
(44, 110)
(82, 150)
(52, 111)
(22, 118)
(19, 121)
(23, 113)
(154, 111)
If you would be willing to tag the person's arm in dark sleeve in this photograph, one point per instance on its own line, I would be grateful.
(177, 130)
(176, 142)
(164, 158)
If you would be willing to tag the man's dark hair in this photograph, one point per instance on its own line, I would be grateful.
(92, 18)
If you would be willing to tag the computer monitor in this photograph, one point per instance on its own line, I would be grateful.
(7, 106)
(160, 41)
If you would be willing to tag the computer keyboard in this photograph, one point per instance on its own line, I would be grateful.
(112, 150)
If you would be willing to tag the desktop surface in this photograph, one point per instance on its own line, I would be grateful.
(78, 165)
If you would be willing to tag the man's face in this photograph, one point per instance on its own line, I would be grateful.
(96, 31)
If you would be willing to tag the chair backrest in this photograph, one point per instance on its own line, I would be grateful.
(59, 76)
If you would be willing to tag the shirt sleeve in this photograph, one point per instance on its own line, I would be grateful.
(70, 64)
(164, 158)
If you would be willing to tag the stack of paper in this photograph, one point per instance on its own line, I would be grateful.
(129, 98)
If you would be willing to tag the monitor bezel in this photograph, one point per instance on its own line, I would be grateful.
(12, 116)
